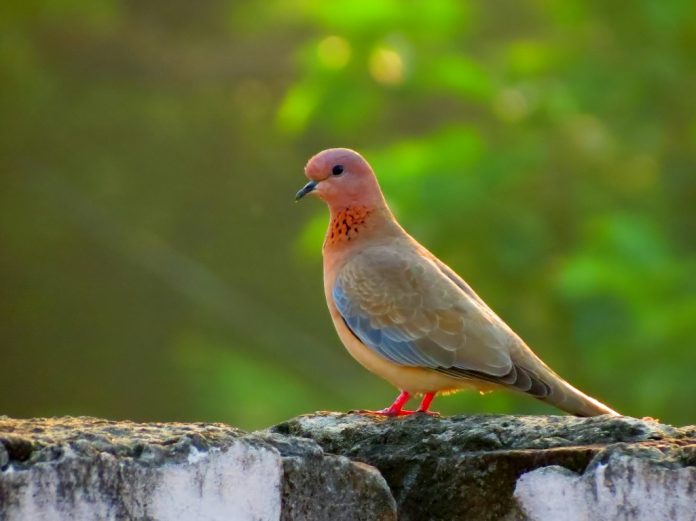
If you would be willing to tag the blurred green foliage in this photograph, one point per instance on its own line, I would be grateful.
(153, 266)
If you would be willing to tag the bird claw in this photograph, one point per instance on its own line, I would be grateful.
(434, 414)
(391, 413)
(396, 408)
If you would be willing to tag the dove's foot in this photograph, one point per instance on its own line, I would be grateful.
(434, 414)
(389, 412)
(396, 409)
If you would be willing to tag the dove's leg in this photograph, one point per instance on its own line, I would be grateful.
(396, 408)
(425, 403)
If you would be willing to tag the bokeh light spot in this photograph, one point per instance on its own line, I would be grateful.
(334, 52)
(511, 105)
(386, 66)
(588, 135)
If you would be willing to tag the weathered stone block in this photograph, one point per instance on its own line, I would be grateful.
(335, 467)
(467, 467)
(622, 483)
(90, 469)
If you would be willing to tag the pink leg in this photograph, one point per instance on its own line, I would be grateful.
(425, 403)
(396, 408)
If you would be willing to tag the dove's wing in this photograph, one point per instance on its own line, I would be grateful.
(414, 311)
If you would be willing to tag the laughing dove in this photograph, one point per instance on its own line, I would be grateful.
(404, 314)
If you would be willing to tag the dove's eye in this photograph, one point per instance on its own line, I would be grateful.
(337, 170)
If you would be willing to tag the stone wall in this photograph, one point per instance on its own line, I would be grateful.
(330, 466)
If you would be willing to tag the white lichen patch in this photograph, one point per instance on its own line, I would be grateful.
(241, 482)
(624, 489)
(196, 455)
(326, 423)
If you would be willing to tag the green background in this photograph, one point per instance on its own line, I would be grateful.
(153, 264)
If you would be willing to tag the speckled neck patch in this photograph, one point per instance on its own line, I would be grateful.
(347, 224)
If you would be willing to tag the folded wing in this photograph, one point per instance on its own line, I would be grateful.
(409, 309)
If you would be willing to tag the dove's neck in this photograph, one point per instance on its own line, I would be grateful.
(354, 225)
(352, 229)
(360, 218)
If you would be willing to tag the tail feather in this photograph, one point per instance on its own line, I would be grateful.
(568, 398)
(541, 383)
(560, 393)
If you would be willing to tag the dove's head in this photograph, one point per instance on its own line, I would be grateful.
(342, 178)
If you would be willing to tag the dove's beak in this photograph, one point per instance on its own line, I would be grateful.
(309, 187)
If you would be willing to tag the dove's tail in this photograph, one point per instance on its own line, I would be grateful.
(568, 398)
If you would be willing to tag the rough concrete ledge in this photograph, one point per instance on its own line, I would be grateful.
(331, 466)
(519, 467)
(90, 469)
